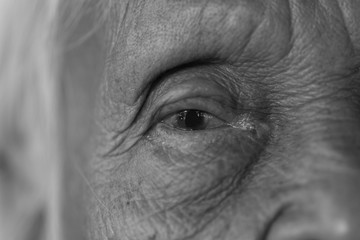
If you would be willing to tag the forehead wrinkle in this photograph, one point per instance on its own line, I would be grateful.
(161, 38)
(122, 12)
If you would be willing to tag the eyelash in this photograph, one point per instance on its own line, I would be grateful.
(209, 108)
(193, 120)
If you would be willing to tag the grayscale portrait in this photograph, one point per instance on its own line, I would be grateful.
(179, 119)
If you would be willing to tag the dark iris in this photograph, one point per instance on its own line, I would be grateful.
(191, 120)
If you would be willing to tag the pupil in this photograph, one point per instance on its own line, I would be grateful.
(191, 119)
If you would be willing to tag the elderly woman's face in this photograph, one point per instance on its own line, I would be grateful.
(234, 119)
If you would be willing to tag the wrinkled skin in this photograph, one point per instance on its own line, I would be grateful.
(279, 157)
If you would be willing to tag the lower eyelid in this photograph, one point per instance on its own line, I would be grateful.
(199, 141)
(244, 124)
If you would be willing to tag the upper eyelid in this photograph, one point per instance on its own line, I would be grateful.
(209, 68)
(171, 95)
(147, 112)
(224, 79)
(158, 80)
(193, 87)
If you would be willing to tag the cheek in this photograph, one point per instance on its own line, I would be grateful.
(192, 163)
(179, 180)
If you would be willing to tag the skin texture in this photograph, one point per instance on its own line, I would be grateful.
(280, 156)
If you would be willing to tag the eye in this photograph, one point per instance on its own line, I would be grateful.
(193, 120)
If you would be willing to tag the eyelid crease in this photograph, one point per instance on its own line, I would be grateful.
(159, 78)
(199, 79)
(146, 91)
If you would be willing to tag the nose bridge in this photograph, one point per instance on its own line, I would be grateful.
(326, 210)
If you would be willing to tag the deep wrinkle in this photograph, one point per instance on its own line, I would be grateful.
(274, 65)
(195, 52)
(236, 93)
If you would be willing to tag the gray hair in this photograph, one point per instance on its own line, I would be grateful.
(33, 35)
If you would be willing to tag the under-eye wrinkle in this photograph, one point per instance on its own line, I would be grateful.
(197, 135)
